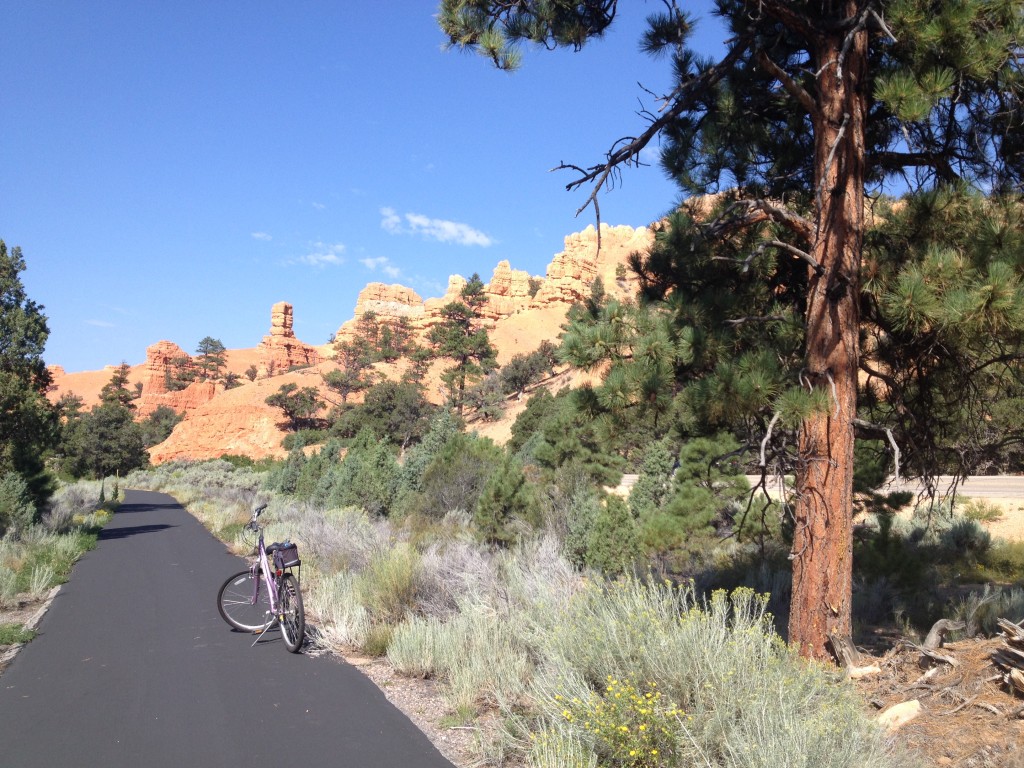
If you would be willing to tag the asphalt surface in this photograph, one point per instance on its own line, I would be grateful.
(133, 666)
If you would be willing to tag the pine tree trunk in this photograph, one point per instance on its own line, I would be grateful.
(823, 538)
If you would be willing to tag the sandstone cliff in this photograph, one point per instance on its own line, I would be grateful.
(510, 291)
(280, 350)
(521, 312)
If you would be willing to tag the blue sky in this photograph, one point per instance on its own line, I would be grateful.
(171, 170)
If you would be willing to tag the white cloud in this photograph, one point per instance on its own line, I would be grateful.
(390, 221)
(383, 264)
(319, 206)
(262, 236)
(100, 323)
(323, 254)
(651, 155)
(442, 230)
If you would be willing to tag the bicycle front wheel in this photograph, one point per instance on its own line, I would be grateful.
(244, 603)
(293, 617)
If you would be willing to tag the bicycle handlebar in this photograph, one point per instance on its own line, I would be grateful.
(252, 524)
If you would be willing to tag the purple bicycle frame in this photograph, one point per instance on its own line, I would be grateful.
(266, 575)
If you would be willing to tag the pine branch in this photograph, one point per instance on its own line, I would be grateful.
(795, 22)
(867, 426)
(765, 319)
(792, 87)
(743, 214)
(820, 270)
(889, 380)
(862, 23)
(767, 437)
(787, 218)
(627, 150)
(831, 157)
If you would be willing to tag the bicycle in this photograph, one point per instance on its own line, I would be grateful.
(247, 607)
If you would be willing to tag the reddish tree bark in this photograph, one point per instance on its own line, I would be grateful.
(822, 552)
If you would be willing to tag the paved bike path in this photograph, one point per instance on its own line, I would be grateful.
(133, 666)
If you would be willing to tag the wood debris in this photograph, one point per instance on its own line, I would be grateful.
(897, 716)
(1009, 657)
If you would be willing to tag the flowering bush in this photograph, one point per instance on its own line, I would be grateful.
(632, 727)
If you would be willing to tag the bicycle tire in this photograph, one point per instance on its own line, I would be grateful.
(293, 616)
(235, 604)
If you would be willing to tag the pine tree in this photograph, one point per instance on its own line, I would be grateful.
(211, 358)
(655, 481)
(613, 544)
(460, 337)
(300, 406)
(812, 104)
(507, 506)
(116, 392)
(28, 423)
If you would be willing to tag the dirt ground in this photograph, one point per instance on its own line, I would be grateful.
(968, 717)
(1011, 525)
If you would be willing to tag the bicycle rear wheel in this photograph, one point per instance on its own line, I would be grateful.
(293, 617)
(243, 603)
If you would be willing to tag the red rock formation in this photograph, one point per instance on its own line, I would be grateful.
(280, 350)
(508, 291)
(239, 421)
(389, 301)
(180, 401)
(572, 271)
(161, 360)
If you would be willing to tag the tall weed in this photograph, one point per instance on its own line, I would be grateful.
(343, 621)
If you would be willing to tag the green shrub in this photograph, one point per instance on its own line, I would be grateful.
(631, 726)
(507, 507)
(981, 510)
(1004, 561)
(342, 620)
(302, 438)
(388, 585)
(981, 611)
(377, 640)
(455, 477)
(478, 656)
(368, 477)
(613, 544)
(17, 510)
(965, 539)
(748, 700)
(11, 634)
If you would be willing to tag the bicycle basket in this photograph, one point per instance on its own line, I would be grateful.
(286, 557)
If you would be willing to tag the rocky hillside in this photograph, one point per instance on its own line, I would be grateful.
(521, 312)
